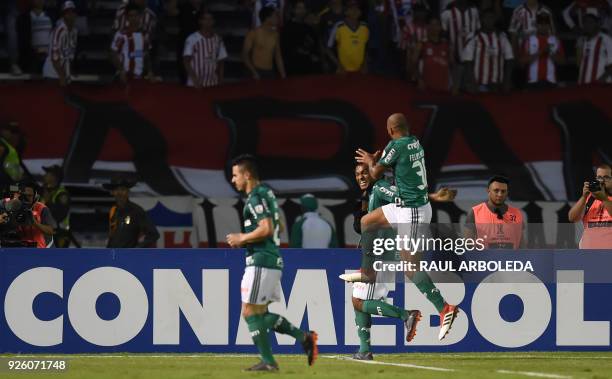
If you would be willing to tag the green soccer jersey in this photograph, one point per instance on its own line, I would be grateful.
(382, 193)
(259, 205)
(407, 159)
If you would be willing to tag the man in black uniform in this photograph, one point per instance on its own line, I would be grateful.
(129, 224)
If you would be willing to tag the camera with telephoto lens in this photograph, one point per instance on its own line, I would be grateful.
(595, 186)
(19, 213)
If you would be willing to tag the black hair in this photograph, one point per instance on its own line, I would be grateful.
(131, 6)
(487, 11)
(28, 183)
(202, 12)
(265, 13)
(247, 162)
(499, 179)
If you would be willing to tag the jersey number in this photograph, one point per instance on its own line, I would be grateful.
(421, 171)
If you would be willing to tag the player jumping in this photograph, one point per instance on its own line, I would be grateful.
(411, 209)
(261, 280)
(369, 296)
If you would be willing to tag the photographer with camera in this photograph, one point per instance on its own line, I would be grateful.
(26, 222)
(594, 208)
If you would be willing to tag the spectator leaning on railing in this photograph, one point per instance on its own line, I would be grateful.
(62, 47)
(204, 54)
(594, 209)
(594, 51)
(261, 52)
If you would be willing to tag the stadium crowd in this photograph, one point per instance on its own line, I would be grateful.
(446, 45)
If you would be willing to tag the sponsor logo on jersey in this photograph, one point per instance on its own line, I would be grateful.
(259, 208)
(247, 223)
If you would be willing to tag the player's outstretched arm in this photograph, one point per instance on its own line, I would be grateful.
(371, 160)
(264, 230)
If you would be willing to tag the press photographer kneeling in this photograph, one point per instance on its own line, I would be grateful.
(24, 221)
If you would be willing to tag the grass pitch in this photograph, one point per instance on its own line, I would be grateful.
(556, 365)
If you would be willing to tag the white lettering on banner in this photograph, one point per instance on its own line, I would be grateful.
(453, 291)
(172, 296)
(572, 329)
(537, 308)
(132, 314)
(380, 335)
(18, 306)
(309, 294)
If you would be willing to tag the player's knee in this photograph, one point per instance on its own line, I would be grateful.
(357, 304)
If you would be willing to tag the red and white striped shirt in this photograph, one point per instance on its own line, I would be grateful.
(460, 25)
(543, 68)
(206, 52)
(132, 48)
(523, 22)
(596, 55)
(148, 21)
(412, 34)
(62, 48)
(488, 51)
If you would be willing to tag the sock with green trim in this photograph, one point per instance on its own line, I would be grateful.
(429, 289)
(259, 334)
(364, 323)
(280, 324)
(379, 307)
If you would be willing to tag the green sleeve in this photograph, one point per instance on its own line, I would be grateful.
(295, 239)
(258, 207)
(389, 155)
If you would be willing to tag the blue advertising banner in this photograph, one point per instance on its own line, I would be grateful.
(163, 300)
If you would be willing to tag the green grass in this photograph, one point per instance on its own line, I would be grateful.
(557, 365)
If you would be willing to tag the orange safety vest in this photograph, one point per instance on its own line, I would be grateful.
(505, 233)
(597, 224)
(30, 232)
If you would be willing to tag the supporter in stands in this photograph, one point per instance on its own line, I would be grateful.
(594, 54)
(130, 48)
(258, 5)
(574, 14)
(129, 224)
(310, 230)
(328, 18)
(523, 24)
(9, 11)
(36, 27)
(204, 54)
(348, 42)
(62, 46)
(497, 223)
(57, 199)
(432, 58)
(414, 33)
(461, 20)
(594, 209)
(188, 12)
(261, 52)
(300, 43)
(147, 18)
(488, 56)
(541, 54)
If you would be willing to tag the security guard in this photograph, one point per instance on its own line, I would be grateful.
(129, 224)
(11, 170)
(57, 199)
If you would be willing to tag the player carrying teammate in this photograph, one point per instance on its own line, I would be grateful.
(261, 280)
(368, 296)
(410, 211)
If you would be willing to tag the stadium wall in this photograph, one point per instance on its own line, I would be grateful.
(73, 301)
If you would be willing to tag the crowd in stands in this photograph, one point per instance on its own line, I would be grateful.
(443, 45)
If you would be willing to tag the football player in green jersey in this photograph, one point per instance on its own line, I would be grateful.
(411, 211)
(261, 280)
